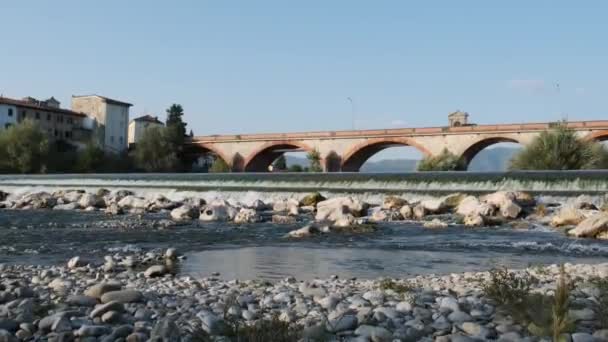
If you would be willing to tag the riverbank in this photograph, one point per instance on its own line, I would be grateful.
(87, 299)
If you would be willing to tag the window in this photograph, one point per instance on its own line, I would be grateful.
(112, 139)
(23, 114)
(120, 139)
(67, 134)
(59, 118)
(70, 120)
(48, 116)
(10, 112)
(37, 115)
(56, 133)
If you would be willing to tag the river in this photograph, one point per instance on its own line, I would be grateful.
(261, 251)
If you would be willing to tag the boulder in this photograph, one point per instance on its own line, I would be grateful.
(393, 202)
(434, 206)
(498, 198)
(122, 296)
(334, 208)
(406, 212)
(67, 206)
(132, 202)
(290, 206)
(76, 262)
(385, 215)
(344, 220)
(72, 196)
(591, 226)
(185, 212)
(97, 290)
(435, 223)
(217, 211)
(114, 209)
(509, 209)
(38, 200)
(473, 220)
(567, 216)
(419, 211)
(91, 200)
(283, 219)
(304, 231)
(156, 271)
(247, 216)
(258, 205)
(312, 199)
(471, 206)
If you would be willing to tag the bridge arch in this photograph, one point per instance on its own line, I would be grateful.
(197, 149)
(360, 153)
(598, 136)
(480, 145)
(260, 159)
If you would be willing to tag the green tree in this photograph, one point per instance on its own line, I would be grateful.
(445, 161)
(280, 164)
(91, 159)
(314, 158)
(175, 124)
(219, 166)
(23, 148)
(155, 152)
(296, 168)
(560, 149)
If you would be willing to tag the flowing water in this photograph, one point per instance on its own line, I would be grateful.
(261, 251)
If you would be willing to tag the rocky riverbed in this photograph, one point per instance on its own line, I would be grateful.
(110, 301)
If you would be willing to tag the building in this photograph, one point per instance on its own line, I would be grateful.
(111, 120)
(58, 123)
(458, 118)
(138, 125)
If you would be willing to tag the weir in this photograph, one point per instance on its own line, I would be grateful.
(569, 183)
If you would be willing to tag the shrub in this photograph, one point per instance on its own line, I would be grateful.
(23, 148)
(219, 166)
(445, 161)
(314, 158)
(155, 151)
(560, 149)
(296, 168)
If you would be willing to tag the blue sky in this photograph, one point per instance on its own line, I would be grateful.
(267, 66)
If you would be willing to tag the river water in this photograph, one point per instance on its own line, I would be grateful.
(261, 250)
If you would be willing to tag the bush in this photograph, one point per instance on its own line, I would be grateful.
(560, 149)
(314, 158)
(23, 148)
(219, 166)
(446, 161)
(295, 168)
(155, 151)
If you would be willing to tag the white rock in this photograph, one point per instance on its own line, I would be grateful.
(591, 226)
(247, 216)
(185, 212)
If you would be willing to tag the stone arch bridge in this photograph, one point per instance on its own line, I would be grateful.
(348, 150)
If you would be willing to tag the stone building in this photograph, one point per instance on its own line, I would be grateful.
(458, 118)
(138, 125)
(111, 120)
(58, 123)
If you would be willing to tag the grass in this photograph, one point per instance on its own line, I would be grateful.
(544, 315)
(541, 210)
(403, 288)
(261, 331)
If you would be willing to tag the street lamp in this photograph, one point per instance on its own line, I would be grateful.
(352, 106)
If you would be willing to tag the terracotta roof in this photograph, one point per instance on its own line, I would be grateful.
(106, 99)
(25, 104)
(149, 118)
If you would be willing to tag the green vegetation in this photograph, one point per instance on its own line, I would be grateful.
(543, 315)
(295, 168)
(23, 149)
(602, 304)
(397, 287)
(219, 166)
(314, 158)
(560, 149)
(446, 161)
(280, 164)
(155, 151)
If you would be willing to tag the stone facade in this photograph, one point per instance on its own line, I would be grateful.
(138, 126)
(111, 120)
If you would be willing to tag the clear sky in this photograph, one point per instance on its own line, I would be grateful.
(267, 66)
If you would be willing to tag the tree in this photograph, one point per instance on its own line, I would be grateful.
(23, 148)
(445, 161)
(296, 168)
(155, 152)
(91, 159)
(280, 164)
(314, 158)
(219, 166)
(560, 149)
(175, 124)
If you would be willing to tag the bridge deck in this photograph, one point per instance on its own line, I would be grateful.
(597, 124)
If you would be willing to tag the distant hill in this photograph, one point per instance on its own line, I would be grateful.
(494, 159)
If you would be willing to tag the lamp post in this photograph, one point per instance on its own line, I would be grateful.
(352, 107)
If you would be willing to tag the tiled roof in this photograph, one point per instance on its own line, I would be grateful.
(25, 104)
(149, 118)
(106, 99)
